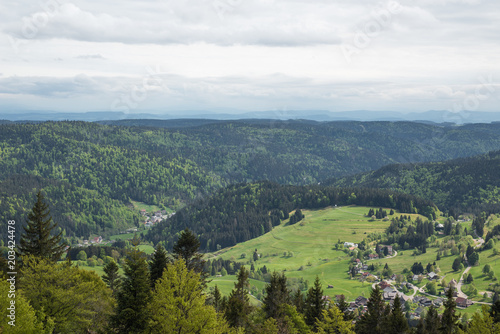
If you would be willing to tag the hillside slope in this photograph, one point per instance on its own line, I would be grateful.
(78, 211)
(466, 184)
(171, 167)
(245, 211)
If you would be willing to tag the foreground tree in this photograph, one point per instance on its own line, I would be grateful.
(157, 264)
(178, 304)
(483, 323)
(26, 319)
(37, 238)
(449, 319)
(187, 248)
(396, 323)
(134, 295)
(333, 322)
(277, 294)
(111, 276)
(72, 299)
(314, 304)
(238, 305)
(344, 308)
(432, 322)
(371, 321)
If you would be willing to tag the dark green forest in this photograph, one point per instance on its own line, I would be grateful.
(245, 211)
(459, 185)
(78, 211)
(96, 170)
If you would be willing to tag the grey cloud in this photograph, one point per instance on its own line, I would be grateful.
(181, 25)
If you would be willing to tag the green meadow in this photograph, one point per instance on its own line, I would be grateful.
(306, 249)
(226, 283)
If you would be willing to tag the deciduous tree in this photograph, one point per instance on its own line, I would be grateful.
(178, 304)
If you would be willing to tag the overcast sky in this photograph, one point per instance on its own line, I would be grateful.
(235, 55)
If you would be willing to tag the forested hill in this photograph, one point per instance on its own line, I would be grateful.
(79, 212)
(245, 211)
(170, 167)
(465, 184)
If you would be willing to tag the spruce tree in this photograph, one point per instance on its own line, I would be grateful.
(277, 294)
(111, 276)
(238, 305)
(314, 303)
(396, 322)
(449, 319)
(371, 321)
(188, 249)
(432, 321)
(157, 264)
(344, 308)
(495, 311)
(217, 299)
(37, 238)
(134, 295)
(298, 301)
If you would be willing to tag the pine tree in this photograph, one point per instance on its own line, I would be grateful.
(157, 264)
(188, 249)
(449, 318)
(344, 308)
(314, 303)
(371, 321)
(111, 276)
(298, 301)
(277, 294)
(396, 322)
(432, 321)
(238, 305)
(134, 295)
(217, 299)
(37, 239)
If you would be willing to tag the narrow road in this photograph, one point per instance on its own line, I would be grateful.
(461, 282)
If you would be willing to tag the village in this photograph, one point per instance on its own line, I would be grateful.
(149, 220)
(414, 300)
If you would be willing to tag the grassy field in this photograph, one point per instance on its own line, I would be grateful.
(311, 246)
(226, 284)
(149, 208)
(124, 236)
(146, 249)
(306, 250)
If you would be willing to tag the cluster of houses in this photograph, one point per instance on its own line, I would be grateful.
(93, 241)
(155, 217)
(389, 295)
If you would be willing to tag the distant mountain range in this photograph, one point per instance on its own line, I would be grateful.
(435, 116)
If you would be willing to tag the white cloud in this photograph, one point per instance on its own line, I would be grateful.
(236, 54)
